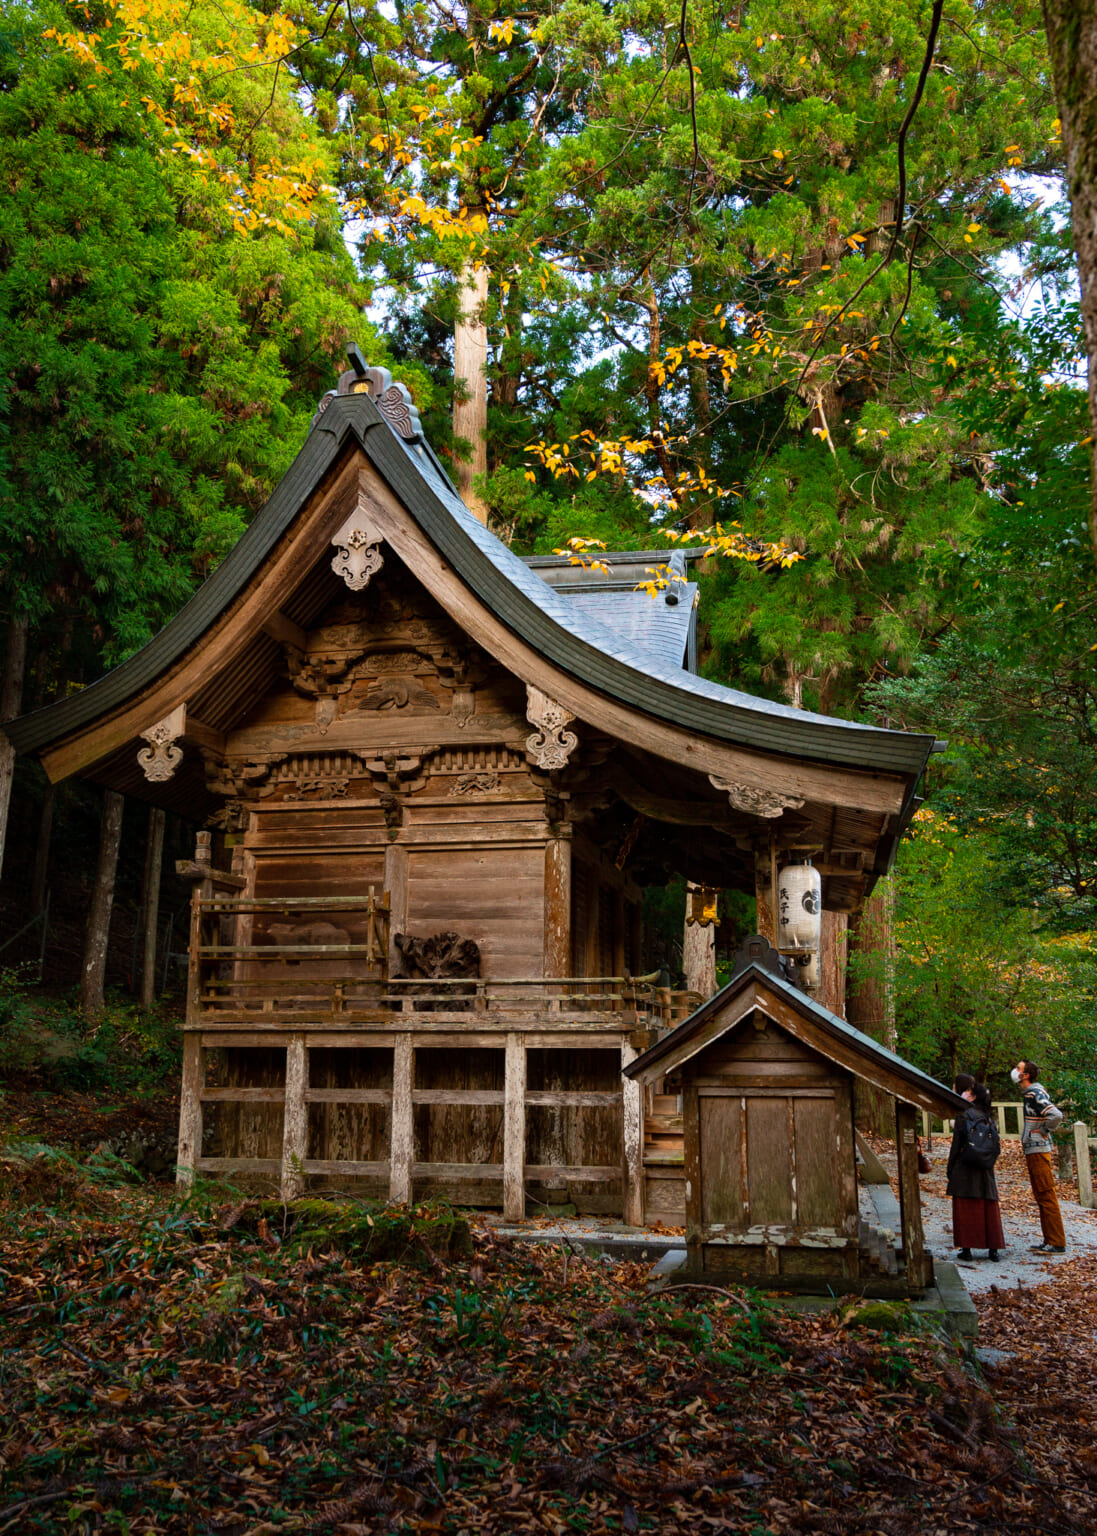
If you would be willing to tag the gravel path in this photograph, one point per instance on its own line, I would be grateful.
(1020, 1218)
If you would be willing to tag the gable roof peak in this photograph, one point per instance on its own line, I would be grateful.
(392, 400)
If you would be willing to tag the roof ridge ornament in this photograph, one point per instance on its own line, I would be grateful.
(392, 400)
(550, 745)
(753, 800)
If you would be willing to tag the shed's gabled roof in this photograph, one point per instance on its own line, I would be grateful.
(756, 987)
(548, 621)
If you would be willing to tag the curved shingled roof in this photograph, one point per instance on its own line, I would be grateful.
(551, 623)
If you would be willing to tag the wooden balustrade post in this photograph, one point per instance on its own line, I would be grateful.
(1084, 1164)
(514, 1130)
(632, 1141)
(402, 1127)
(295, 1118)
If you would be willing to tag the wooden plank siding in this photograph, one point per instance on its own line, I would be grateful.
(410, 1117)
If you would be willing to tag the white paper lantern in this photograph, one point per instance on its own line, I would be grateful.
(799, 907)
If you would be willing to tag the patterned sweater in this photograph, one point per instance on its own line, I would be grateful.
(1041, 1118)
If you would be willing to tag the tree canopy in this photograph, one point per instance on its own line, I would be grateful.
(784, 278)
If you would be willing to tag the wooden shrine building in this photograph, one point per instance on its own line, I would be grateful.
(771, 1196)
(435, 780)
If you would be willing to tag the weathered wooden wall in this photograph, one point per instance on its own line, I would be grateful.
(770, 1180)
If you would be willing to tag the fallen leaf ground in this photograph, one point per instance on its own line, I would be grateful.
(178, 1368)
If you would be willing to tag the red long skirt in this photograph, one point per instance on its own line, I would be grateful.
(977, 1224)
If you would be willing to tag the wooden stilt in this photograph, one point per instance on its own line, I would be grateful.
(514, 1130)
(402, 1133)
(190, 1110)
(633, 1142)
(295, 1119)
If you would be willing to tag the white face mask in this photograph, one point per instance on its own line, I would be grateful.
(1016, 1076)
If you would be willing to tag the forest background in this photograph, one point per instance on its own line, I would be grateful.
(794, 281)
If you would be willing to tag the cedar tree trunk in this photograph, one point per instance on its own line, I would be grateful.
(470, 384)
(11, 702)
(94, 972)
(1072, 44)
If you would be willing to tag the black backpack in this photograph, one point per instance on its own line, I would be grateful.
(982, 1146)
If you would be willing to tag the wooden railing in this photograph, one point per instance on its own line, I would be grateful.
(238, 983)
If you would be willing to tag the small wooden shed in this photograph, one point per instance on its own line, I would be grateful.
(766, 1075)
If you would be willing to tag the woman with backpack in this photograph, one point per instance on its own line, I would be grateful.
(976, 1215)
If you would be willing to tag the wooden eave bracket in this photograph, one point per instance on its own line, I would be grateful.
(753, 799)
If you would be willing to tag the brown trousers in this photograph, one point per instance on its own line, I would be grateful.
(1041, 1176)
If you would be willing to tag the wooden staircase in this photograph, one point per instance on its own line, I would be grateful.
(664, 1162)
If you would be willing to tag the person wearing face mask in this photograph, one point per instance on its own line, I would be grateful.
(1041, 1118)
(976, 1214)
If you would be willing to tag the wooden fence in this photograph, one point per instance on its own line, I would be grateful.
(1083, 1157)
(1010, 1117)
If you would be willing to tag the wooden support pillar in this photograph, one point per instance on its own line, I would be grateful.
(636, 938)
(557, 943)
(764, 894)
(402, 1127)
(620, 962)
(906, 1145)
(632, 1141)
(190, 1109)
(396, 884)
(150, 904)
(514, 1130)
(295, 1118)
(590, 940)
(834, 951)
(870, 1000)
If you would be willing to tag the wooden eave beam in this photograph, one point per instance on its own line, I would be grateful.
(285, 631)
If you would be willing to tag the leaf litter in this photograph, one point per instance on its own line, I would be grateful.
(250, 1369)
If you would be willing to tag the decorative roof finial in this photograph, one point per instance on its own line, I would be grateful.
(392, 400)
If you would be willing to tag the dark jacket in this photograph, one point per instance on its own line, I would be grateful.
(965, 1182)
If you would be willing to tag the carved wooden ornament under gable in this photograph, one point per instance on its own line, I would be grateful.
(754, 800)
(358, 544)
(160, 759)
(551, 744)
